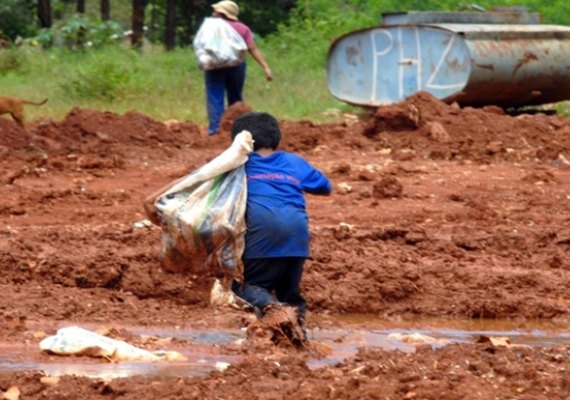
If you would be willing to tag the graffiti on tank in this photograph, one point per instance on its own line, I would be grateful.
(417, 69)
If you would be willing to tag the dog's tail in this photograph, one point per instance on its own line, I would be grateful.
(35, 103)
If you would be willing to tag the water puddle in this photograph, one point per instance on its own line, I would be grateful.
(201, 360)
(343, 342)
(111, 371)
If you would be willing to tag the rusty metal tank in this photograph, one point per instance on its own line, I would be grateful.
(501, 58)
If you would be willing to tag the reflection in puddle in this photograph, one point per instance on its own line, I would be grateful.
(345, 343)
(111, 371)
(200, 337)
(357, 332)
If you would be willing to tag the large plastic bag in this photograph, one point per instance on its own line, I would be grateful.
(203, 214)
(218, 45)
(74, 340)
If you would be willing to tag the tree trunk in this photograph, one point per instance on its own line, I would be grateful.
(44, 13)
(152, 25)
(188, 17)
(80, 7)
(138, 23)
(170, 31)
(105, 10)
(81, 32)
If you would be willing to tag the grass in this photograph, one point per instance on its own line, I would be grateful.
(163, 85)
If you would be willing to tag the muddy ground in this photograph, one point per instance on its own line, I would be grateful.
(438, 212)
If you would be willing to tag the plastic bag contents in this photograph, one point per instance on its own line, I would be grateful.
(222, 294)
(74, 340)
(203, 214)
(218, 45)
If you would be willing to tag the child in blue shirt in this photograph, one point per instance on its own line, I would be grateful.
(277, 237)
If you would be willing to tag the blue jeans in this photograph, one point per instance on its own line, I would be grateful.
(218, 83)
(282, 275)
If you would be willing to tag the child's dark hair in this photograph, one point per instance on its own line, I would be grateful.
(264, 129)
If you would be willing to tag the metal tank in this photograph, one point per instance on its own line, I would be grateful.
(507, 59)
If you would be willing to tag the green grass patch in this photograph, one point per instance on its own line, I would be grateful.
(164, 85)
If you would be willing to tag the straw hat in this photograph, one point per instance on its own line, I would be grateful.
(228, 8)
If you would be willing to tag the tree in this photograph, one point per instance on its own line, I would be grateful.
(263, 16)
(18, 18)
(105, 8)
(187, 10)
(191, 13)
(170, 25)
(80, 9)
(44, 13)
(138, 23)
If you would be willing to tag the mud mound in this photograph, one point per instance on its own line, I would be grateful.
(83, 130)
(436, 130)
(306, 136)
(388, 187)
(422, 127)
(232, 113)
(12, 136)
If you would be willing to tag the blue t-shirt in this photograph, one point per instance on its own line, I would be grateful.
(277, 221)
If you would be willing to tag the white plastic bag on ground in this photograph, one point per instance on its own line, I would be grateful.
(218, 45)
(203, 215)
(78, 341)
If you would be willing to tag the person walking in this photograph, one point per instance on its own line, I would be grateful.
(230, 81)
(277, 237)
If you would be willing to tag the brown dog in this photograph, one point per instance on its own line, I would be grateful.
(15, 107)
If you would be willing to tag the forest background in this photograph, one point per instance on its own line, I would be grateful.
(120, 55)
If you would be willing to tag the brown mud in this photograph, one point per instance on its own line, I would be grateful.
(438, 211)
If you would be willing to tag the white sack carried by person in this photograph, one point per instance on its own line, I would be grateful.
(203, 214)
(218, 45)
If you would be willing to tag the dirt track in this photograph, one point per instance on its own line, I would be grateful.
(438, 211)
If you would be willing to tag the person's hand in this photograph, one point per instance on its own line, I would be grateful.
(268, 74)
